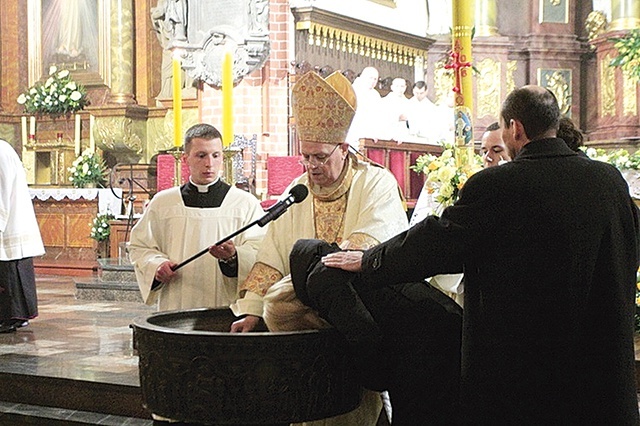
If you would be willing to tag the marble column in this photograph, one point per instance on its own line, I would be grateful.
(122, 54)
(625, 15)
(485, 17)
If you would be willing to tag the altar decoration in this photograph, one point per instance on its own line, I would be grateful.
(88, 169)
(444, 176)
(100, 228)
(628, 164)
(58, 95)
(628, 57)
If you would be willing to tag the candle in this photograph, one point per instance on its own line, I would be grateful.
(32, 126)
(24, 130)
(227, 99)
(177, 101)
(92, 141)
(76, 138)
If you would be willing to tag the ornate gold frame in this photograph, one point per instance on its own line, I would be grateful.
(34, 37)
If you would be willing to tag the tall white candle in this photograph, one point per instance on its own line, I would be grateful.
(24, 131)
(92, 141)
(32, 125)
(77, 135)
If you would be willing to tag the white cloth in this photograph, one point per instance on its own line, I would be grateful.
(393, 107)
(108, 201)
(367, 119)
(168, 230)
(19, 233)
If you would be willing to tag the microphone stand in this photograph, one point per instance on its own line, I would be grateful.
(204, 251)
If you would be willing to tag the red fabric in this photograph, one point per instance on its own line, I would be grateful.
(416, 180)
(281, 171)
(376, 155)
(166, 166)
(398, 167)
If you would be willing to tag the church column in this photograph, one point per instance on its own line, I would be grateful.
(122, 52)
(625, 15)
(485, 16)
(461, 59)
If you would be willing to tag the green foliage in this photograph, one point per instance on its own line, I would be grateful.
(100, 229)
(628, 53)
(88, 168)
(619, 158)
(58, 95)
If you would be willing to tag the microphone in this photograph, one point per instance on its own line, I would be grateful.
(297, 194)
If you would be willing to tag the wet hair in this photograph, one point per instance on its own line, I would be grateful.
(570, 134)
(200, 131)
(537, 110)
(493, 126)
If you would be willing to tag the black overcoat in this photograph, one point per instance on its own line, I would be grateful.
(548, 244)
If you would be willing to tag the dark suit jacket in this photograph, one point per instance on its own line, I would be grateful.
(548, 244)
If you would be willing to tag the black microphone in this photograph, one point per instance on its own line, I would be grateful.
(296, 195)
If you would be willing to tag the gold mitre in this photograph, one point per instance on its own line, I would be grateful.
(323, 108)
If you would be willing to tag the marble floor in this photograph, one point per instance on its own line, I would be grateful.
(82, 340)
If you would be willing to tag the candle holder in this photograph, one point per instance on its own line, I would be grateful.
(177, 170)
(228, 165)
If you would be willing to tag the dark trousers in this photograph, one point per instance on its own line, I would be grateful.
(404, 338)
(18, 299)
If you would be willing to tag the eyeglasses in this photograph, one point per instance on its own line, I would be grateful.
(317, 160)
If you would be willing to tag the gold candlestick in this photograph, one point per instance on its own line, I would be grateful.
(177, 171)
(228, 170)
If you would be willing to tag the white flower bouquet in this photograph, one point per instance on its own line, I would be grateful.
(100, 228)
(444, 178)
(88, 168)
(58, 95)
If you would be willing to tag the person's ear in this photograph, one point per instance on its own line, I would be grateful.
(518, 130)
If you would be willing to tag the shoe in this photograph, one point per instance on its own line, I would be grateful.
(7, 328)
(19, 323)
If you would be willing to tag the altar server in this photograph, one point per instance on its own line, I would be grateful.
(20, 241)
(181, 221)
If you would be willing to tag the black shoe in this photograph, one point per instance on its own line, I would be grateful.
(7, 328)
(19, 323)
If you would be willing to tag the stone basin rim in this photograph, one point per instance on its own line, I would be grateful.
(143, 323)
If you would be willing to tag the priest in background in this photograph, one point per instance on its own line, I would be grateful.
(20, 241)
(180, 221)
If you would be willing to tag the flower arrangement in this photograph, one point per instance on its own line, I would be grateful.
(628, 53)
(88, 168)
(620, 158)
(100, 229)
(444, 178)
(58, 95)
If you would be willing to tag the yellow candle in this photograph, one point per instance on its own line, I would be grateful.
(76, 135)
(24, 130)
(227, 99)
(177, 102)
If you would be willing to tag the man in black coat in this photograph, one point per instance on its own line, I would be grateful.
(548, 244)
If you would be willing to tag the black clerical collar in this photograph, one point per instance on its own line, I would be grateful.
(212, 197)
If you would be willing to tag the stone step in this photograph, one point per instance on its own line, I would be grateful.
(97, 289)
(116, 269)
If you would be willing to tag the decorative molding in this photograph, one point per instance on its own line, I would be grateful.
(554, 11)
(488, 82)
(341, 33)
(607, 87)
(512, 67)
(389, 3)
(629, 94)
(559, 82)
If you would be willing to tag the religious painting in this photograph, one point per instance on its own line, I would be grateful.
(559, 82)
(390, 3)
(70, 35)
(554, 11)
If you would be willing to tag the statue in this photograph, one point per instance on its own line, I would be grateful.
(259, 17)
